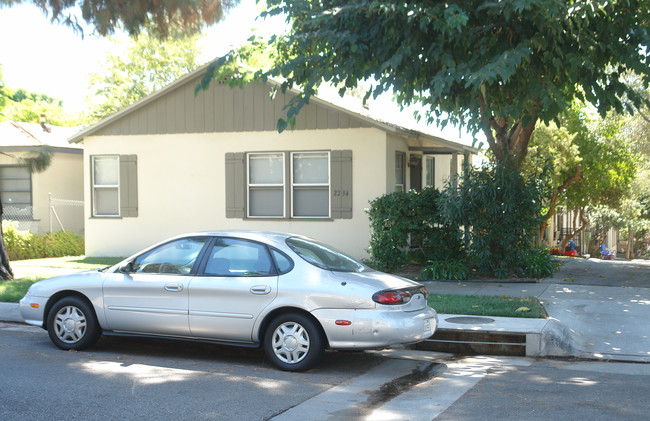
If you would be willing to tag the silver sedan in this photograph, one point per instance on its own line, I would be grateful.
(292, 295)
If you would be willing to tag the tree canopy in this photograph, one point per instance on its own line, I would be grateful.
(493, 66)
(21, 105)
(587, 163)
(132, 15)
(149, 64)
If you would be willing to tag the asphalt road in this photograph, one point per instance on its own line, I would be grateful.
(597, 272)
(128, 379)
(124, 378)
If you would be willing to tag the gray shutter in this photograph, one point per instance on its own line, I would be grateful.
(128, 186)
(341, 171)
(235, 185)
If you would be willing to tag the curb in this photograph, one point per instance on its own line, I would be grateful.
(10, 312)
(500, 336)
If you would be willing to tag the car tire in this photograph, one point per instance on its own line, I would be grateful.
(293, 342)
(71, 324)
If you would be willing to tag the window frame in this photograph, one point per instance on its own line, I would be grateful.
(95, 187)
(320, 186)
(289, 184)
(6, 205)
(401, 158)
(429, 159)
(268, 186)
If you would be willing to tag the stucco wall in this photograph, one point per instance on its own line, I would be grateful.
(181, 186)
(64, 180)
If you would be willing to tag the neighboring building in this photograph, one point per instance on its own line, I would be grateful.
(50, 200)
(176, 162)
(565, 221)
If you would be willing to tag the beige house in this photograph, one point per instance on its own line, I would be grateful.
(41, 202)
(176, 162)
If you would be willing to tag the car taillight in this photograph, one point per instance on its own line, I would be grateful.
(391, 297)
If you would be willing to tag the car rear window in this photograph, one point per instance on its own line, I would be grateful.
(323, 256)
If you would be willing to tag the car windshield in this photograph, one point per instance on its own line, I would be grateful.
(324, 257)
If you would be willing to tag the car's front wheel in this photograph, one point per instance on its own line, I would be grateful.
(293, 342)
(71, 324)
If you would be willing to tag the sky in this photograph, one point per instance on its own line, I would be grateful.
(48, 58)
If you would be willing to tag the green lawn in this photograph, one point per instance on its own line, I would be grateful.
(480, 305)
(13, 291)
(68, 262)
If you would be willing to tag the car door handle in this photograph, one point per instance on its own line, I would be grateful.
(174, 287)
(260, 289)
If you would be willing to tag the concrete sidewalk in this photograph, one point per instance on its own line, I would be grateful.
(598, 309)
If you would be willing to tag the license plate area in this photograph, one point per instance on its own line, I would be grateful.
(428, 326)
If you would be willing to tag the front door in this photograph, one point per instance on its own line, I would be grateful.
(153, 296)
(226, 297)
(415, 164)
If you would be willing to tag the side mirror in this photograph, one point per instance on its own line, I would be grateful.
(126, 268)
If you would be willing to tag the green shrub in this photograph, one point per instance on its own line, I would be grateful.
(448, 269)
(23, 245)
(408, 226)
(500, 213)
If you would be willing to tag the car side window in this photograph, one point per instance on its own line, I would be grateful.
(176, 257)
(235, 257)
(282, 262)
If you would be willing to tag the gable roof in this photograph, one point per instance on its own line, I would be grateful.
(17, 136)
(220, 108)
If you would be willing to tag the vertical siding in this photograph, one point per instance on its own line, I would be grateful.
(222, 109)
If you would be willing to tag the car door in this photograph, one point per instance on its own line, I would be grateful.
(152, 296)
(236, 282)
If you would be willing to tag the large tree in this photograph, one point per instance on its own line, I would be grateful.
(495, 66)
(148, 64)
(104, 16)
(588, 162)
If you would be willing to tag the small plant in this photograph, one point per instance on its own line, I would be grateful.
(27, 245)
(448, 269)
(538, 263)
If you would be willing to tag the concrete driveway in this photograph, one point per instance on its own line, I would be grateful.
(605, 304)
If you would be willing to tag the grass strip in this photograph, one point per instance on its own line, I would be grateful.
(481, 305)
(12, 291)
(68, 262)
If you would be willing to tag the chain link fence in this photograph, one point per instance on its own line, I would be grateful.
(64, 214)
(62, 204)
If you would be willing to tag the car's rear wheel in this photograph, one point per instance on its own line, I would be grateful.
(293, 342)
(71, 324)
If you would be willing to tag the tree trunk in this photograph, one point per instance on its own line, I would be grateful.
(5, 269)
(553, 201)
(630, 243)
(508, 140)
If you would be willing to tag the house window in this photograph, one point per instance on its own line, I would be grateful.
(16, 192)
(106, 185)
(114, 186)
(289, 185)
(266, 185)
(430, 171)
(307, 181)
(400, 171)
(310, 184)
